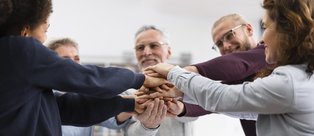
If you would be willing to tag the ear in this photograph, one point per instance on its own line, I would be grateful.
(169, 52)
(26, 31)
(249, 29)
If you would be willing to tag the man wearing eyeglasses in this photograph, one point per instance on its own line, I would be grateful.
(241, 59)
(232, 33)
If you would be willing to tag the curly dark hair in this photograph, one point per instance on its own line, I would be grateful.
(295, 27)
(16, 14)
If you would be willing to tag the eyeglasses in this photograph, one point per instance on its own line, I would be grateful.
(228, 36)
(152, 45)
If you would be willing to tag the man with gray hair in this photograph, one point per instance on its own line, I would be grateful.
(152, 47)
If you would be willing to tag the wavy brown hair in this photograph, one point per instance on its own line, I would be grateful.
(295, 28)
(17, 14)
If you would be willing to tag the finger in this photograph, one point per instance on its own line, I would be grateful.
(169, 84)
(170, 106)
(158, 89)
(175, 101)
(161, 108)
(155, 75)
(144, 97)
(168, 99)
(155, 95)
(149, 68)
(165, 87)
(141, 101)
(144, 105)
(164, 113)
(139, 93)
(143, 89)
(148, 71)
(143, 117)
(140, 107)
(155, 109)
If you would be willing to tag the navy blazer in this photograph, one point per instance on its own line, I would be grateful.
(28, 73)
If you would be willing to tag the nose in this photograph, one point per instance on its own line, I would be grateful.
(147, 51)
(225, 48)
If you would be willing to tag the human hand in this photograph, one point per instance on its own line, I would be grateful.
(159, 70)
(140, 105)
(123, 116)
(191, 69)
(154, 113)
(151, 82)
(175, 107)
(166, 90)
(143, 94)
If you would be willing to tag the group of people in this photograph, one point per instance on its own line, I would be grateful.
(267, 83)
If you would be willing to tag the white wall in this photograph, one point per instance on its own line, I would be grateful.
(107, 27)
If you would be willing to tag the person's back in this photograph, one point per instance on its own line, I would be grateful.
(19, 96)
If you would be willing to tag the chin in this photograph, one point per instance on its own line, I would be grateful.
(270, 61)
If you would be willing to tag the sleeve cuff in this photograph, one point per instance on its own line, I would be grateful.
(150, 129)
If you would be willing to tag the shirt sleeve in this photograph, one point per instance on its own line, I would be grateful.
(43, 68)
(83, 110)
(234, 68)
(112, 123)
(269, 95)
(138, 129)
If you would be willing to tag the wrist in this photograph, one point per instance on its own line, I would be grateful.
(122, 117)
(183, 111)
(150, 127)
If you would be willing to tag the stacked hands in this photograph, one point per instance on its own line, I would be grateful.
(157, 98)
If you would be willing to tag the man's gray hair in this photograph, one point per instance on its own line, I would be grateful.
(151, 27)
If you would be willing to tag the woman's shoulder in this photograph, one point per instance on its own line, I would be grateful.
(292, 70)
(18, 40)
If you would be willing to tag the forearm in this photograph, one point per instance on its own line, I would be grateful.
(242, 115)
(122, 117)
(83, 110)
(191, 69)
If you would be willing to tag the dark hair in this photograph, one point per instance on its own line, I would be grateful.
(295, 28)
(17, 14)
(55, 44)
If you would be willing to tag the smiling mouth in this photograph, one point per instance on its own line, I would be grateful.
(148, 60)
